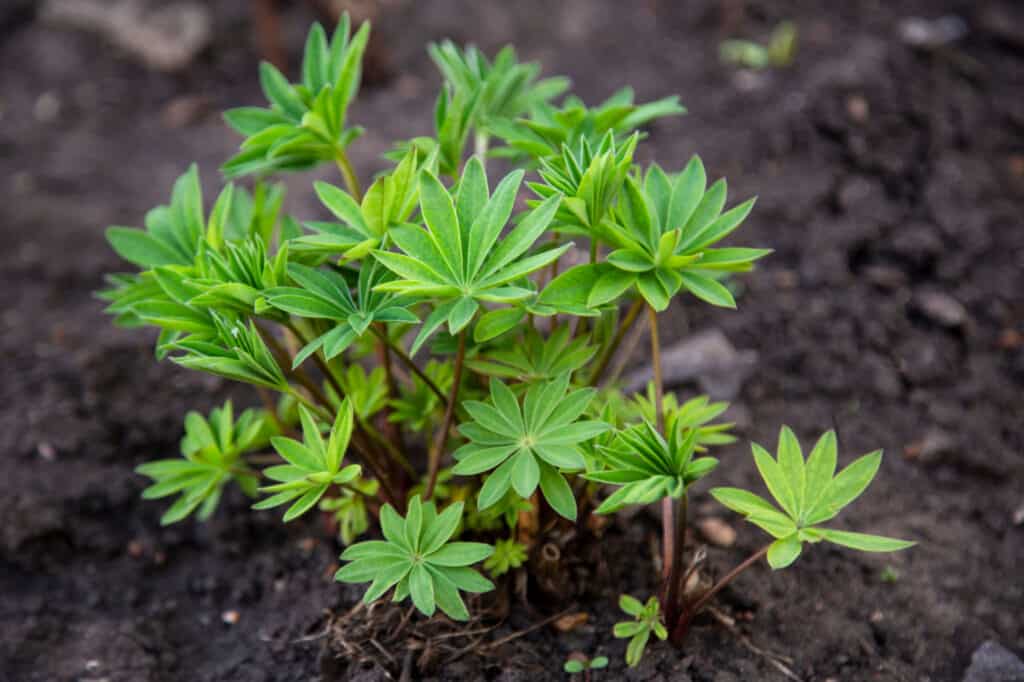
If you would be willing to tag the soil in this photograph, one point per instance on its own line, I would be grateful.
(891, 185)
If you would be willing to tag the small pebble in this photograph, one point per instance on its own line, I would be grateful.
(717, 532)
(571, 621)
(858, 109)
(230, 617)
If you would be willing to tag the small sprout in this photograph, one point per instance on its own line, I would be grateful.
(579, 663)
(416, 559)
(508, 554)
(778, 53)
(647, 620)
(889, 575)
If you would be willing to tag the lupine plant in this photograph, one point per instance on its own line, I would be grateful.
(438, 343)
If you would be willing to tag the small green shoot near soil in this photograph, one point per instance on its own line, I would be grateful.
(779, 52)
(580, 664)
(646, 622)
(438, 342)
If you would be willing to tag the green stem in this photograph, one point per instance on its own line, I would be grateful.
(434, 457)
(348, 174)
(667, 525)
(609, 351)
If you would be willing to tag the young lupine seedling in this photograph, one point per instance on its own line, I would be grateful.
(577, 665)
(437, 358)
(646, 621)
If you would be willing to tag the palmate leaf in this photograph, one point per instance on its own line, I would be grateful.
(662, 240)
(312, 465)
(233, 350)
(526, 446)
(505, 88)
(362, 227)
(173, 232)
(548, 128)
(532, 358)
(211, 457)
(589, 177)
(696, 413)
(325, 294)
(305, 123)
(418, 559)
(647, 467)
(808, 492)
(459, 260)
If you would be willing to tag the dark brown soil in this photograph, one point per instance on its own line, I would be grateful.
(891, 185)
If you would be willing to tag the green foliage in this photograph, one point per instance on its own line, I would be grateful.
(417, 407)
(417, 559)
(313, 465)
(589, 178)
(326, 295)
(527, 445)
(332, 315)
(349, 509)
(212, 452)
(458, 260)
(648, 467)
(305, 123)
(533, 358)
(549, 128)
(363, 226)
(661, 237)
(646, 621)
(503, 88)
(696, 413)
(778, 53)
(808, 493)
(574, 665)
(508, 554)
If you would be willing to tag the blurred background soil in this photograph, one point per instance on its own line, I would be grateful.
(889, 164)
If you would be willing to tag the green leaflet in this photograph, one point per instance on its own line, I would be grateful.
(211, 457)
(647, 466)
(457, 259)
(809, 493)
(418, 558)
(305, 123)
(312, 465)
(661, 237)
(526, 445)
(647, 621)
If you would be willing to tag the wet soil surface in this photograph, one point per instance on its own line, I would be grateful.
(891, 185)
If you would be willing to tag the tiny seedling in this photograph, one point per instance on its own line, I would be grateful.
(646, 622)
(779, 52)
(580, 664)
(438, 343)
